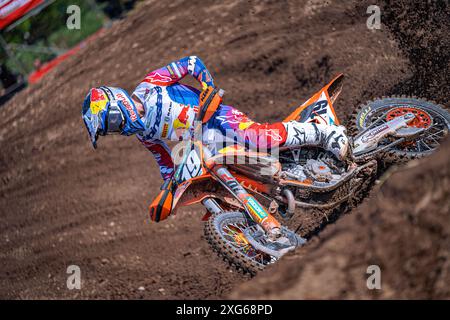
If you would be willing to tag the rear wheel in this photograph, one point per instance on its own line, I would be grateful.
(225, 233)
(429, 115)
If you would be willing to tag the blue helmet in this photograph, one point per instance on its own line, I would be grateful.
(108, 110)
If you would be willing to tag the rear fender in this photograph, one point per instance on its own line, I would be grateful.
(319, 108)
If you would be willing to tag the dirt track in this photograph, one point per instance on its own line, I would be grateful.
(62, 203)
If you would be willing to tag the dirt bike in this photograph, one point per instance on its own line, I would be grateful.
(242, 197)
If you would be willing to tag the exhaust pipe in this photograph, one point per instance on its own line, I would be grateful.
(290, 210)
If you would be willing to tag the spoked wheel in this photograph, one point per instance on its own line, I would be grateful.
(428, 115)
(225, 233)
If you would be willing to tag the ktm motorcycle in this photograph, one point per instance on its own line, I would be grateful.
(244, 196)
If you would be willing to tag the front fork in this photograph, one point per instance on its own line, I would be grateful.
(257, 212)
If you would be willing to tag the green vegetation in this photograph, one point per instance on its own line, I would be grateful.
(45, 35)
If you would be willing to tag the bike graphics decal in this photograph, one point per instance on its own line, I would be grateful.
(232, 183)
(373, 133)
(319, 111)
(255, 207)
(180, 189)
(192, 166)
(363, 116)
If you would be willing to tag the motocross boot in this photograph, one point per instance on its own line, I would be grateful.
(331, 138)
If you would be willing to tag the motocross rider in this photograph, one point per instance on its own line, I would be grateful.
(161, 108)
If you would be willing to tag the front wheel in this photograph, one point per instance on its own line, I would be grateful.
(225, 233)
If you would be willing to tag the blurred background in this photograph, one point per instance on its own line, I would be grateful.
(34, 37)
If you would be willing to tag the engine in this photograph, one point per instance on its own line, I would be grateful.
(318, 167)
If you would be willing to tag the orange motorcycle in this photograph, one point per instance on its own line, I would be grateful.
(245, 192)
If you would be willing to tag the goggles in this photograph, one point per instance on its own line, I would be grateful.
(113, 119)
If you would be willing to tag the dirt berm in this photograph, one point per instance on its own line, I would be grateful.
(62, 203)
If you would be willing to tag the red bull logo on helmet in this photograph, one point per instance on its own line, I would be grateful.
(98, 100)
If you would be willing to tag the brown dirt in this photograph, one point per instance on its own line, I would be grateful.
(62, 203)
